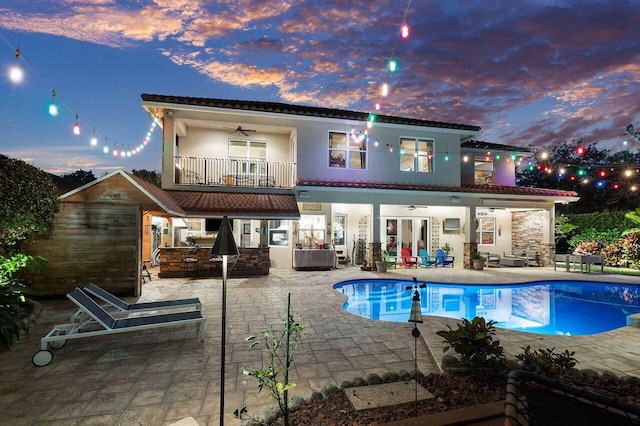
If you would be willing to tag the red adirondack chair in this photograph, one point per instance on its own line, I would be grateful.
(408, 261)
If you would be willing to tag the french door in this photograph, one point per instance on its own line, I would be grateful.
(398, 233)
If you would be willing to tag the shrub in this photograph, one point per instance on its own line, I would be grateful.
(624, 252)
(473, 341)
(601, 238)
(15, 308)
(586, 247)
(28, 203)
(547, 362)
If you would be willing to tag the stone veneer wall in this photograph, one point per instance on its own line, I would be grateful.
(251, 262)
(527, 233)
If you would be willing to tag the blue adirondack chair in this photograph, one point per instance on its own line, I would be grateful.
(426, 260)
(443, 259)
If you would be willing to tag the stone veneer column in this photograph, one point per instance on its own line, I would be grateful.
(374, 253)
(467, 250)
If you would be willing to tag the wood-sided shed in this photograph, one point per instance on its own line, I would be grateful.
(98, 236)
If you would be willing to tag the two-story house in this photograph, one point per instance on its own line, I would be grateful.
(297, 176)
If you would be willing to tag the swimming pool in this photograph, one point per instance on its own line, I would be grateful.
(544, 307)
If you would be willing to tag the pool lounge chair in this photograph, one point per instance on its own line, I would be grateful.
(123, 306)
(100, 322)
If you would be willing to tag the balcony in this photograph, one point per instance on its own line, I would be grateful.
(234, 172)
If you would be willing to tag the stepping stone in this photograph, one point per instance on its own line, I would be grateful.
(385, 395)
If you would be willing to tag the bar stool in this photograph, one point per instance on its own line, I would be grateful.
(145, 272)
(190, 261)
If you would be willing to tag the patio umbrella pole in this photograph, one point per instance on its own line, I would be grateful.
(224, 333)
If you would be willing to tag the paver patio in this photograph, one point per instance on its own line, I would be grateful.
(159, 377)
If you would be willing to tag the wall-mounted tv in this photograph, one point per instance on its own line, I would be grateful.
(213, 225)
(452, 224)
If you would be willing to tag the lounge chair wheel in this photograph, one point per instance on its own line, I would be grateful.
(55, 344)
(42, 358)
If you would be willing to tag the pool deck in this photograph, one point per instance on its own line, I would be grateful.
(158, 377)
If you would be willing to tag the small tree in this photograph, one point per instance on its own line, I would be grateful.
(151, 176)
(81, 177)
(274, 374)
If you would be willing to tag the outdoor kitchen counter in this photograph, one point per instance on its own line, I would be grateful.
(253, 261)
(313, 259)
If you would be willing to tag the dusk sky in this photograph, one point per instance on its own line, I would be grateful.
(530, 73)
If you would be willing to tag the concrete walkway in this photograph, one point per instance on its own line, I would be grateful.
(159, 377)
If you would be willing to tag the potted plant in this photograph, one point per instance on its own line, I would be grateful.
(478, 261)
(447, 248)
(381, 265)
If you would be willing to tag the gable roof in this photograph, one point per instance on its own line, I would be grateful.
(309, 111)
(155, 194)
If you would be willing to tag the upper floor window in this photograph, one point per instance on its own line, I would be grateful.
(483, 171)
(416, 155)
(347, 151)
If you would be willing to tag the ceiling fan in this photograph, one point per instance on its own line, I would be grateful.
(412, 207)
(240, 131)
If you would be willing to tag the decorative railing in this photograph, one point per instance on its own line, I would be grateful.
(234, 172)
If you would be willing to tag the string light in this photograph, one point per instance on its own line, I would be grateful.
(76, 127)
(384, 90)
(53, 107)
(16, 75)
(404, 31)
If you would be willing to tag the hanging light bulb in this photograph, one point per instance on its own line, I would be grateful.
(76, 127)
(53, 108)
(16, 75)
(384, 90)
(94, 140)
(392, 65)
(377, 106)
(404, 31)
(446, 156)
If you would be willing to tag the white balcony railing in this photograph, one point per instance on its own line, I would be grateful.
(234, 172)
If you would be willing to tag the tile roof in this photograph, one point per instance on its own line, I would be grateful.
(493, 146)
(475, 189)
(281, 108)
(236, 204)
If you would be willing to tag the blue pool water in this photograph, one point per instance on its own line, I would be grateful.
(545, 307)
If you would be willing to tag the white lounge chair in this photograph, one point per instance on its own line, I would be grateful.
(123, 306)
(106, 324)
